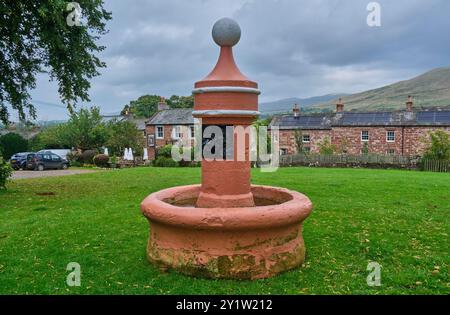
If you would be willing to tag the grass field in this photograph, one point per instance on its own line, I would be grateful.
(399, 219)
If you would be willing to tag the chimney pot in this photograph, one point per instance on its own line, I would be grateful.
(340, 106)
(162, 105)
(296, 110)
(409, 104)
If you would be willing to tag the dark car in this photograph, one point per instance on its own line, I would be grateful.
(19, 160)
(42, 161)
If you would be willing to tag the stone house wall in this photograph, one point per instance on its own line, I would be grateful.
(408, 140)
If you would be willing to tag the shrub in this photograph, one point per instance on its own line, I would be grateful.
(87, 157)
(75, 159)
(5, 173)
(163, 161)
(326, 147)
(101, 160)
(113, 160)
(12, 143)
(165, 151)
(438, 147)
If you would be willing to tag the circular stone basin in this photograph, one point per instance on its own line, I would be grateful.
(235, 243)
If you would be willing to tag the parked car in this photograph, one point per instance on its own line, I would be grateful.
(19, 160)
(42, 161)
(61, 152)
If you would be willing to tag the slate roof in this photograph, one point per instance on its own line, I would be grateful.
(175, 116)
(361, 119)
(139, 122)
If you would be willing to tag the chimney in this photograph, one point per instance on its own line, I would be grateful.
(162, 104)
(409, 104)
(339, 106)
(296, 110)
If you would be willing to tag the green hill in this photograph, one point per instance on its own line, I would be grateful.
(430, 89)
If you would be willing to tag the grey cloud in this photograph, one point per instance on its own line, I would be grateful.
(290, 47)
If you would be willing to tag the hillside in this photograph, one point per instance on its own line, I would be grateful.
(429, 90)
(287, 103)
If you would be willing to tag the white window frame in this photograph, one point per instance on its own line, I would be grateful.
(387, 136)
(157, 132)
(309, 138)
(362, 138)
(177, 132)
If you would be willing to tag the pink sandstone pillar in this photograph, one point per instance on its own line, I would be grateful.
(226, 97)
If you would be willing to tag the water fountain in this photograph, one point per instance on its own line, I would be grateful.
(226, 227)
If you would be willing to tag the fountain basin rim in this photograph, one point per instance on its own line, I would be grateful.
(295, 210)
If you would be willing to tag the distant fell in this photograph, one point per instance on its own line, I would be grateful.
(287, 103)
(430, 89)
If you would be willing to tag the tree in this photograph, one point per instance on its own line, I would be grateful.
(365, 148)
(298, 138)
(12, 143)
(124, 134)
(85, 129)
(53, 137)
(176, 101)
(36, 36)
(5, 172)
(145, 106)
(438, 147)
(326, 147)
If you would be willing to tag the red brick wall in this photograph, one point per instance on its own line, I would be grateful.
(408, 140)
(287, 139)
(349, 139)
(151, 130)
(417, 138)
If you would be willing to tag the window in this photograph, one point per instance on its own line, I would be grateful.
(151, 140)
(176, 133)
(390, 151)
(159, 132)
(283, 151)
(55, 158)
(390, 136)
(275, 136)
(365, 135)
(192, 129)
(306, 139)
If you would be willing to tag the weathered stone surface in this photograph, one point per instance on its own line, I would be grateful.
(238, 243)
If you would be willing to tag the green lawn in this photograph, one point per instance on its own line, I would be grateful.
(399, 219)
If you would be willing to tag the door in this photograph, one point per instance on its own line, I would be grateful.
(56, 161)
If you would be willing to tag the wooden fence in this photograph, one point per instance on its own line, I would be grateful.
(347, 160)
(436, 166)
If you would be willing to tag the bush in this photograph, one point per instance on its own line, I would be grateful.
(101, 160)
(163, 161)
(75, 159)
(5, 173)
(87, 157)
(12, 143)
(113, 160)
(326, 147)
(165, 151)
(438, 146)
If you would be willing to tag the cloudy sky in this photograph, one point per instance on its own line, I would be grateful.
(292, 48)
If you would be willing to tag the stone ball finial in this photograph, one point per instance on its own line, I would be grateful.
(226, 32)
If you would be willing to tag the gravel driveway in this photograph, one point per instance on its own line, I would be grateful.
(47, 173)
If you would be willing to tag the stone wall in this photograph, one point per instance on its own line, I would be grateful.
(167, 139)
(408, 140)
(287, 139)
